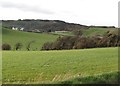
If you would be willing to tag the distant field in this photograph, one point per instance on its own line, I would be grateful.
(86, 32)
(54, 66)
(97, 31)
(12, 37)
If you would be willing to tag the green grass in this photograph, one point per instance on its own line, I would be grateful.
(97, 31)
(86, 32)
(105, 78)
(35, 67)
(12, 37)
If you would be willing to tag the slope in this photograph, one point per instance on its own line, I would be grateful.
(12, 37)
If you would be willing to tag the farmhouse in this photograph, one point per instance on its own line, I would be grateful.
(35, 31)
(16, 28)
(22, 29)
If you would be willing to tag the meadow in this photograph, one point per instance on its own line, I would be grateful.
(86, 32)
(97, 31)
(57, 66)
(36, 67)
(12, 37)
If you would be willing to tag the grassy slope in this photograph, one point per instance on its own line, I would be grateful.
(87, 32)
(12, 37)
(97, 31)
(54, 66)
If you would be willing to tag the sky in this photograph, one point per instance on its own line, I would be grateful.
(86, 12)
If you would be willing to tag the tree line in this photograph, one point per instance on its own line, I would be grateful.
(110, 39)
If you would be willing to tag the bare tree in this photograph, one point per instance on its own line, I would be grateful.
(18, 46)
(29, 45)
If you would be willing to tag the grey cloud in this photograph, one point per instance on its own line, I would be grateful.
(24, 7)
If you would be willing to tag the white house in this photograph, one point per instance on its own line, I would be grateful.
(22, 29)
(13, 28)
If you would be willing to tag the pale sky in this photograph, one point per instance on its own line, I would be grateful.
(86, 12)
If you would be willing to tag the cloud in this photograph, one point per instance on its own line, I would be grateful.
(25, 7)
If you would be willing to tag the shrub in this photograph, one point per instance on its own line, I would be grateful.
(29, 45)
(78, 32)
(6, 47)
(18, 46)
(47, 46)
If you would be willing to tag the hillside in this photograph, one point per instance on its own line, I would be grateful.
(97, 31)
(32, 25)
(35, 67)
(12, 37)
(43, 25)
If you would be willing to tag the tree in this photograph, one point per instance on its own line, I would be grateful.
(77, 32)
(47, 46)
(18, 46)
(6, 47)
(29, 45)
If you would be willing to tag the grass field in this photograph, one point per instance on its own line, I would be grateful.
(97, 31)
(86, 32)
(35, 67)
(12, 37)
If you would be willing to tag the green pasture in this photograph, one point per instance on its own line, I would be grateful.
(35, 67)
(12, 37)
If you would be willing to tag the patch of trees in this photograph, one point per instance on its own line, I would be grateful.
(110, 39)
(17, 46)
(7, 46)
(102, 26)
(78, 32)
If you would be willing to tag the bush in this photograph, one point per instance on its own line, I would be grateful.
(18, 46)
(6, 47)
(29, 45)
(78, 32)
(47, 46)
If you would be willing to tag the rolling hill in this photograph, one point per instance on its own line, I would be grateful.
(12, 37)
(65, 66)
(43, 25)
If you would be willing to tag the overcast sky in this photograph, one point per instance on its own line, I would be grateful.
(87, 12)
